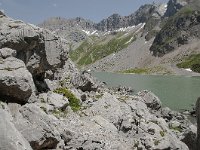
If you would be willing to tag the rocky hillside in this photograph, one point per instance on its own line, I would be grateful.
(173, 35)
(126, 43)
(78, 29)
(98, 47)
(45, 103)
(179, 30)
(118, 33)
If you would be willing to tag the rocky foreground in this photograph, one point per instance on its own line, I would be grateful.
(45, 103)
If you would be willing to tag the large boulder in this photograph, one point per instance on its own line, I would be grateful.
(85, 82)
(16, 83)
(10, 137)
(39, 49)
(37, 127)
(150, 99)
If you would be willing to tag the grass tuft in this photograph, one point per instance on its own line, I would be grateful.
(74, 102)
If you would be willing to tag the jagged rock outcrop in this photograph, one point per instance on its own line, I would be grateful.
(62, 23)
(85, 82)
(39, 49)
(70, 29)
(150, 100)
(16, 83)
(174, 6)
(1, 14)
(142, 15)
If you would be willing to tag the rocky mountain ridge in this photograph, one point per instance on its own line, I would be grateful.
(78, 29)
(46, 103)
(172, 32)
(111, 23)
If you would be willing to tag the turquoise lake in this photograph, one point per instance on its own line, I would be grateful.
(175, 92)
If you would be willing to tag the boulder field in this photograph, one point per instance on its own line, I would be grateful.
(46, 103)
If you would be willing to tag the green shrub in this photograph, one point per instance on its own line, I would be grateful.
(196, 68)
(156, 142)
(178, 128)
(192, 61)
(73, 101)
(162, 133)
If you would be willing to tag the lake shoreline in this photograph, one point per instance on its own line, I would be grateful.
(178, 92)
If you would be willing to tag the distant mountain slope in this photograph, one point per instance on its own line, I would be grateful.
(98, 47)
(74, 30)
(118, 33)
(176, 42)
(119, 43)
(78, 29)
(142, 15)
(179, 30)
(62, 23)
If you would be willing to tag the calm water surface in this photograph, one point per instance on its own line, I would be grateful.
(175, 92)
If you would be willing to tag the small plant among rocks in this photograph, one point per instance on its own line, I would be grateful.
(59, 113)
(178, 128)
(74, 102)
(162, 133)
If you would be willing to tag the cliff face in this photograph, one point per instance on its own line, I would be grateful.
(45, 103)
(62, 23)
(178, 30)
(142, 15)
(174, 6)
(70, 29)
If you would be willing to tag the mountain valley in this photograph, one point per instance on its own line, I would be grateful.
(50, 100)
(138, 41)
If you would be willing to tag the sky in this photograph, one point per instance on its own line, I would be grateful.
(36, 11)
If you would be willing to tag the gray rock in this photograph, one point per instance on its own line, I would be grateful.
(7, 52)
(85, 82)
(55, 100)
(115, 21)
(1, 13)
(16, 83)
(151, 100)
(37, 127)
(173, 6)
(189, 137)
(198, 121)
(10, 137)
(39, 49)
